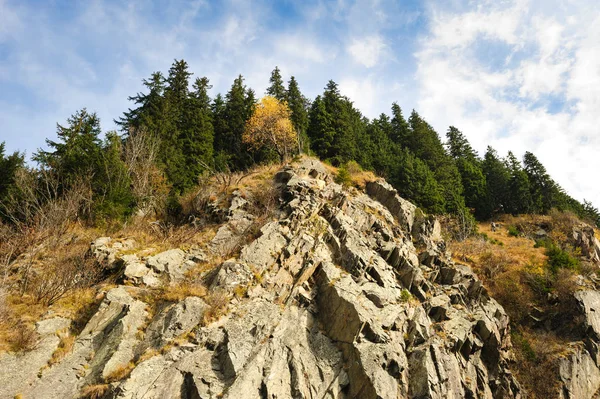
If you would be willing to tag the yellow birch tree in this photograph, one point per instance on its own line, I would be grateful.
(270, 126)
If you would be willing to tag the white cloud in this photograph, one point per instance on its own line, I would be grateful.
(542, 99)
(367, 51)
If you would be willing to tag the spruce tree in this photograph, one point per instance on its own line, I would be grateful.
(425, 143)
(298, 105)
(519, 188)
(399, 133)
(320, 129)
(276, 88)
(77, 153)
(544, 191)
(197, 135)
(9, 165)
(470, 169)
(232, 115)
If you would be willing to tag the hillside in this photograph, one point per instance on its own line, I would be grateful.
(298, 288)
(543, 270)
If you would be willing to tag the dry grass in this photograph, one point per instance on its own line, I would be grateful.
(96, 391)
(536, 364)
(358, 177)
(178, 292)
(64, 347)
(518, 276)
(120, 373)
(217, 302)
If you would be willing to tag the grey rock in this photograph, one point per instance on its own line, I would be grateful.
(403, 210)
(175, 320)
(162, 261)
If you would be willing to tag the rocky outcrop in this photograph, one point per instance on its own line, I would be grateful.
(580, 370)
(344, 295)
(583, 237)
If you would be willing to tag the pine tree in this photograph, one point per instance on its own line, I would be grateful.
(9, 165)
(470, 169)
(78, 152)
(519, 188)
(197, 135)
(232, 116)
(299, 106)
(544, 192)
(400, 131)
(276, 88)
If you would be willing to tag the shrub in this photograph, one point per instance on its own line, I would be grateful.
(513, 231)
(494, 263)
(405, 295)
(560, 259)
(353, 167)
(343, 177)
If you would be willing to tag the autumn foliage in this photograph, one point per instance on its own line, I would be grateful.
(270, 126)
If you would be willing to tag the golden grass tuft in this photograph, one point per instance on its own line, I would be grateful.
(64, 347)
(95, 391)
(178, 292)
(120, 373)
(217, 306)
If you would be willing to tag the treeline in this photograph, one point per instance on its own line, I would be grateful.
(176, 132)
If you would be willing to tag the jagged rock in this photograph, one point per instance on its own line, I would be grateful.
(589, 302)
(105, 249)
(172, 263)
(135, 269)
(161, 262)
(175, 320)
(579, 375)
(403, 210)
(230, 235)
(231, 274)
(21, 370)
(339, 304)
(584, 238)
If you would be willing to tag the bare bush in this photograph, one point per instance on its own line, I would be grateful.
(67, 273)
(494, 263)
(149, 186)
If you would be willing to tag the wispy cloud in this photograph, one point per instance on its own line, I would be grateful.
(534, 94)
(516, 74)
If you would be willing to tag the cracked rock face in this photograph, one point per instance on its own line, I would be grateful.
(339, 303)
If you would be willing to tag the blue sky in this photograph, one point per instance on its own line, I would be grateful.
(515, 74)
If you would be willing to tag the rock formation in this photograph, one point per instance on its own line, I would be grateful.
(345, 294)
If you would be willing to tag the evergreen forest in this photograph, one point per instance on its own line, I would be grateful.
(175, 134)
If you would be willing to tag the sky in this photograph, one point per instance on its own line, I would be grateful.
(520, 75)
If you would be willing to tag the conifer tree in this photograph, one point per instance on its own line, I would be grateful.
(298, 105)
(415, 181)
(113, 197)
(9, 165)
(399, 133)
(77, 153)
(469, 167)
(198, 134)
(425, 143)
(544, 191)
(232, 115)
(320, 129)
(497, 177)
(276, 88)
(151, 110)
(519, 188)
